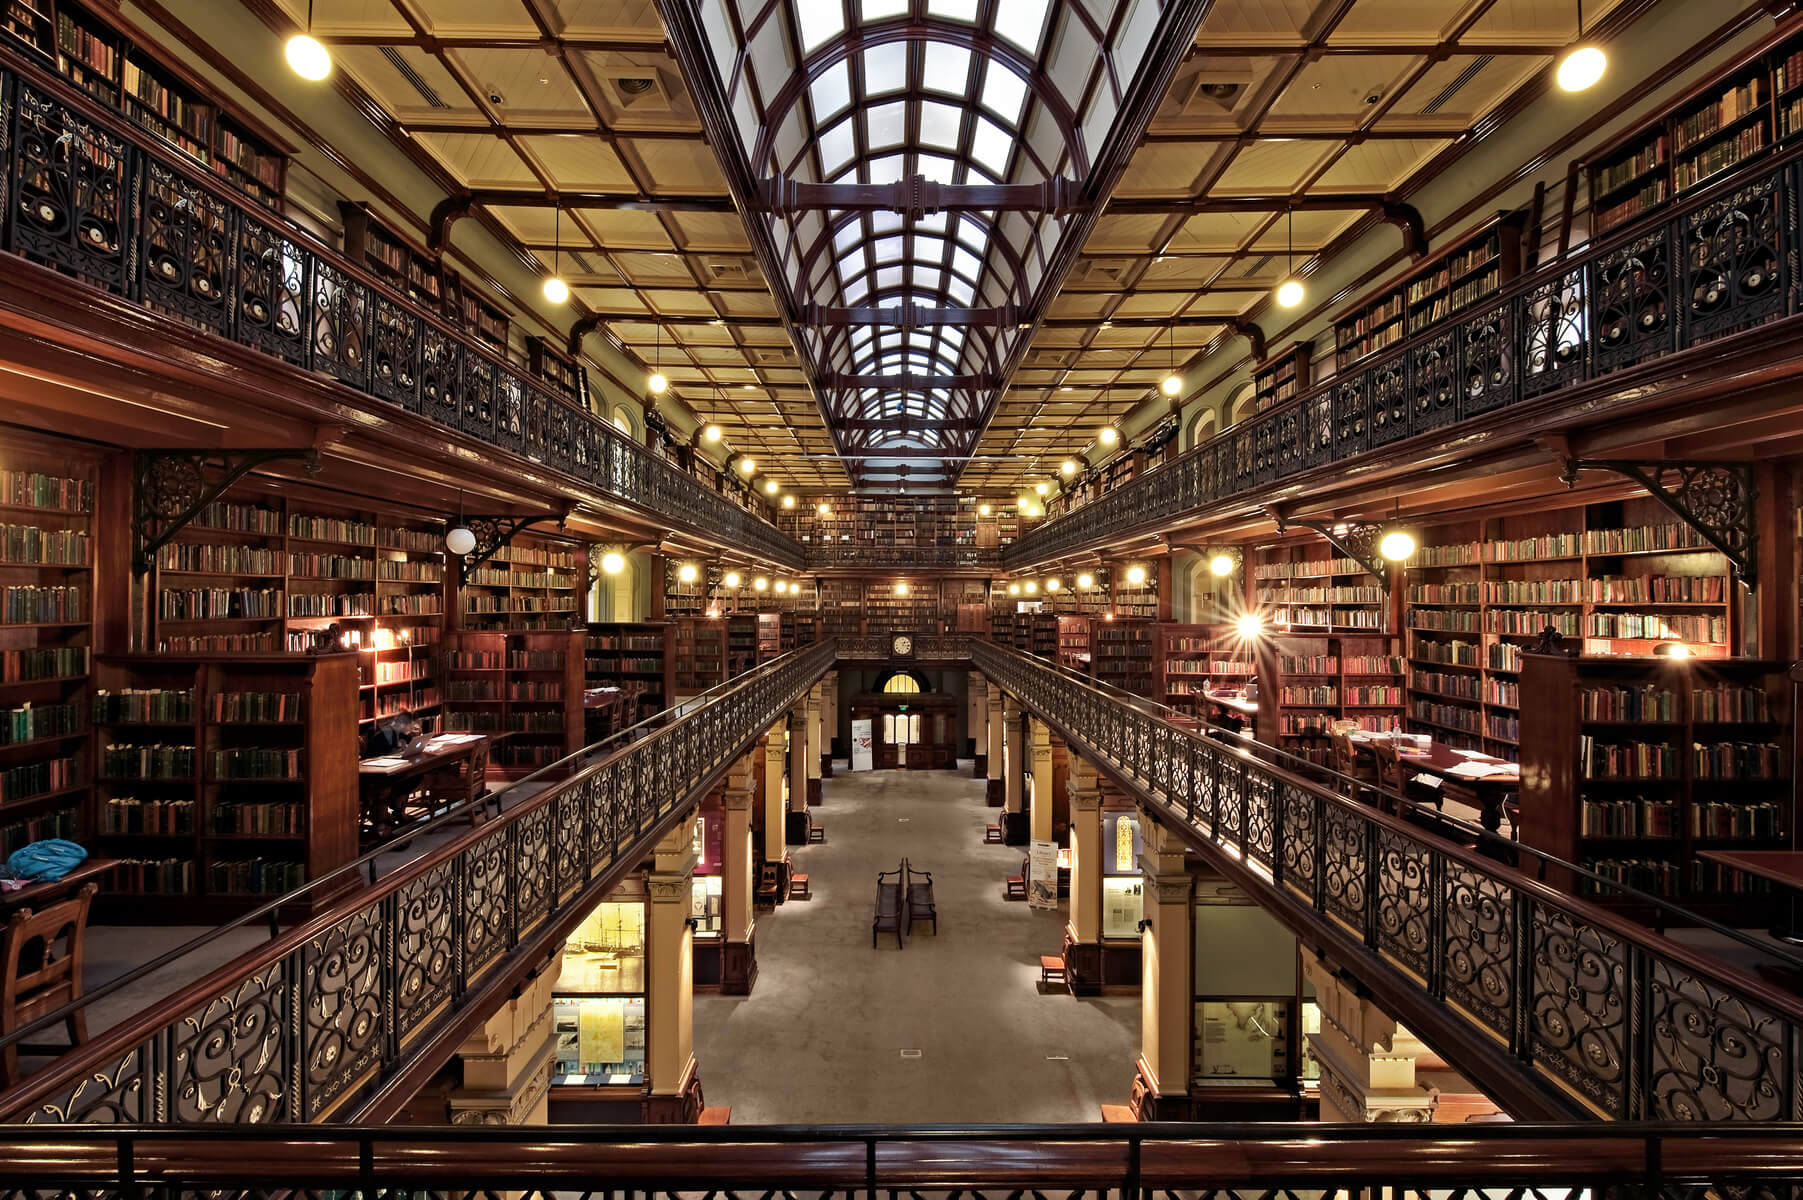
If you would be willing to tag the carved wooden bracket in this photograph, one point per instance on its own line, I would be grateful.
(1414, 230)
(493, 533)
(1357, 540)
(580, 330)
(170, 489)
(446, 213)
(1253, 334)
(1716, 499)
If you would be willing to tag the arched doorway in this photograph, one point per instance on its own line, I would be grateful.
(912, 726)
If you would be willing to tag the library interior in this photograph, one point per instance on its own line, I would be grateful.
(540, 540)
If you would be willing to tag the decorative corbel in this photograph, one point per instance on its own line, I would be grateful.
(1407, 218)
(1253, 334)
(492, 534)
(170, 489)
(446, 213)
(581, 329)
(1716, 499)
(1357, 540)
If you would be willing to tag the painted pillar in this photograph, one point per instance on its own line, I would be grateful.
(997, 754)
(1083, 935)
(829, 721)
(1041, 807)
(976, 694)
(673, 1088)
(812, 759)
(1167, 988)
(776, 800)
(738, 918)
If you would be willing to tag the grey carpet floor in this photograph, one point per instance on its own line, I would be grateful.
(820, 1039)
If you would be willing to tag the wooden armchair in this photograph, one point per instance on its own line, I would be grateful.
(1348, 762)
(921, 906)
(42, 960)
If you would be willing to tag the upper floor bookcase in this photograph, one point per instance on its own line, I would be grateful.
(99, 56)
(421, 276)
(1277, 379)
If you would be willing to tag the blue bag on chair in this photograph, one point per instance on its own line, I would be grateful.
(45, 861)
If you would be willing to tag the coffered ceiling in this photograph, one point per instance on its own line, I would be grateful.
(1329, 107)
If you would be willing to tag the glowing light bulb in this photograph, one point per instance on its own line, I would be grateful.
(1030, 587)
(748, 465)
(782, 585)
(1086, 580)
(1172, 385)
(731, 580)
(1396, 545)
(760, 584)
(1289, 293)
(1109, 435)
(459, 540)
(1053, 584)
(1250, 625)
(825, 510)
(1068, 467)
(983, 510)
(556, 290)
(1136, 575)
(901, 589)
(1040, 489)
(1014, 589)
(307, 57)
(770, 487)
(1581, 67)
(712, 433)
(1221, 564)
(613, 562)
(657, 384)
(686, 572)
(788, 502)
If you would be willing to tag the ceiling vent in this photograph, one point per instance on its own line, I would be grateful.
(772, 356)
(1255, 267)
(638, 88)
(1109, 271)
(731, 269)
(1458, 81)
(414, 79)
(1212, 87)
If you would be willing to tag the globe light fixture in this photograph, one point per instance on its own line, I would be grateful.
(306, 57)
(731, 580)
(747, 465)
(1053, 584)
(901, 589)
(657, 384)
(1136, 575)
(687, 573)
(1396, 545)
(1221, 564)
(1030, 587)
(1581, 68)
(613, 562)
(782, 585)
(1014, 589)
(1109, 435)
(1086, 580)
(556, 290)
(1289, 293)
(1171, 385)
(788, 502)
(1250, 625)
(760, 584)
(1040, 489)
(1068, 467)
(712, 434)
(771, 487)
(983, 510)
(1671, 650)
(824, 509)
(459, 539)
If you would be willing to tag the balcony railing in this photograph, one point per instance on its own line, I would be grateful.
(88, 193)
(1076, 1162)
(1722, 262)
(319, 1014)
(869, 556)
(1596, 1009)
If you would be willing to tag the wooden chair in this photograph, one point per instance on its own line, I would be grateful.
(769, 887)
(992, 835)
(1345, 759)
(921, 906)
(816, 833)
(799, 888)
(889, 900)
(42, 972)
(1389, 771)
(1014, 888)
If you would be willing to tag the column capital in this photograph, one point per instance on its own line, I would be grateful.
(670, 889)
(738, 799)
(1173, 888)
(1011, 707)
(1083, 800)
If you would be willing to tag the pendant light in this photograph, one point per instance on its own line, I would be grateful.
(1583, 64)
(657, 384)
(460, 539)
(1289, 292)
(556, 290)
(1173, 383)
(306, 56)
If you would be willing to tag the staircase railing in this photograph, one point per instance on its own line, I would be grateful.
(1604, 1016)
(302, 1025)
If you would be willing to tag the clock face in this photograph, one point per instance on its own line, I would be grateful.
(903, 644)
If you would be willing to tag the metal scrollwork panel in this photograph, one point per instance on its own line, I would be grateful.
(1319, 429)
(71, 192)
(342, 1006)
(1578, 1020)
(485, 904)
(1244, 460)
(1482, 946)
(510, 410)
(1300, 839)
(229, 1059)
(1351, 416)
(1346, 866)
(272, 292)
(341, 314)
(599, 795)
(534, 423)
(531, 869)
(1404, 901)
(1716, 1056)
(1387, 384)
(477, 390)
(1487, 360)
(1734, 255)
(187, 256)
(1267, 442)
(1556, 322)
(1632, 286)
(1261, 802)
(394, 354)
(1433, 386)
(440, 377)
(114, 1096)
(425, 948)
(570, 847)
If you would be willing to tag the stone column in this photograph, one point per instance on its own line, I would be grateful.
(1040, 807)
(776, 804)
(673, 1087)
(1083, 935)
(1167, 989)
(738, 917)
(829, 721)
(976, 693)
(992, 707)
(812, 760)
(508, 1063)
(1372, 1069)
(1014, 819)
(795, 825)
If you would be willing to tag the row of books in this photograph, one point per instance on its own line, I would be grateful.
(330, 604)
(257, 762)
(1460, 687)
(517, 604)
(1450, 715)
(1334, 595)
(30, 545)
(1625, 170)
(1626, 760)
(407, 571)
(150, 760)
(224, 559)
(331, 566)
(239, 518)
(62, 822)
(256, 708)
(30, 722)
(201, 604)
(35, 489)
(1681, 627)
(1719, 156)
(35, 779)
(144, 705)
(30, 604)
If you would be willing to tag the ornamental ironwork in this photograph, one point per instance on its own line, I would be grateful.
(172, 487)
(1715, 499)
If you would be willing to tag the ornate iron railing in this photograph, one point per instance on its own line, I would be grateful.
(86, 192)
(1624, 1021)
(1722, 262)
(1078, 1162)
(303, 1024)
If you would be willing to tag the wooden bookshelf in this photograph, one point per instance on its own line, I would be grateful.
(841, 607)
(222, 780)
(522, 687)
(1476, 266)
(1188, 659)
(741, 643)
(1278, 379)
(557, 371)
(1121, 653)
(533, 582)
(1631, 765)
(700, 655)
(1307, 684)
(1309, 587)
(634, 657)
(800, 627)
(1074, 648)
(1614, 578)
(49, 563)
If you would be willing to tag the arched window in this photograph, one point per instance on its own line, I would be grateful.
(623, 421)
(1202, 428)
(1243, 403)
(901, 683)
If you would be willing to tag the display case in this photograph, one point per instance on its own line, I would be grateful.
(1123, 890)
(1245, 1038)
(606, 953)
(599, 1007)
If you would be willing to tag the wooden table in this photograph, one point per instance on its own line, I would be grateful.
(37, 895)
(1782, 867)
(1232, 707)
(385, 782)
(1436, 758)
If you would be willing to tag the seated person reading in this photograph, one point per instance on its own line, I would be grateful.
(393, 736)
